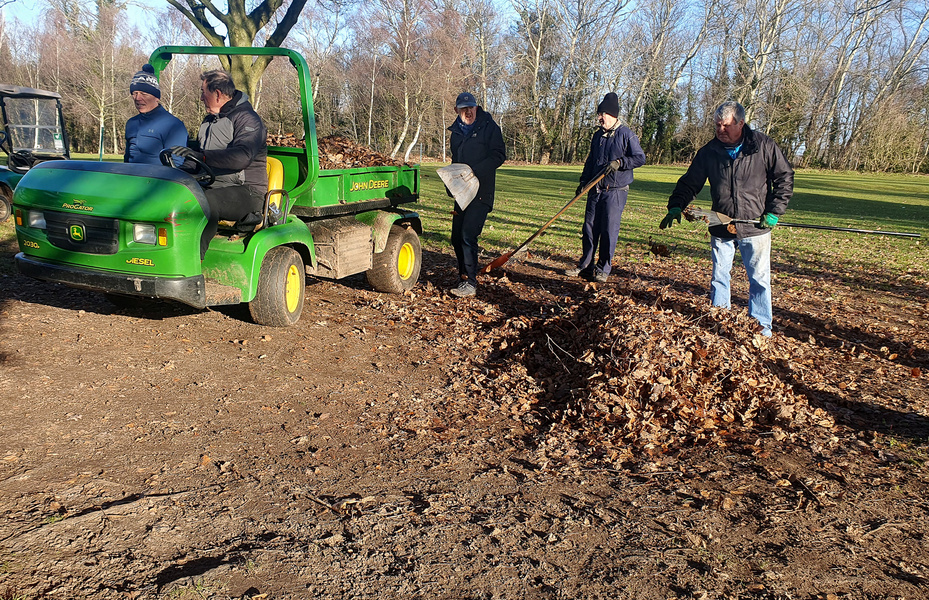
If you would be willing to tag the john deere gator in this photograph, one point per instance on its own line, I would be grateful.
(133, 231)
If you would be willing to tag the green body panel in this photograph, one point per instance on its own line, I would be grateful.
(73, 193)
(237, 262)
(346, 186)
(9, 178)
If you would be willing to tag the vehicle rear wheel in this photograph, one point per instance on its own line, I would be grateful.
(396, 269)
(281, 287)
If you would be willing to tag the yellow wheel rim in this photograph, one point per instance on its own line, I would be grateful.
(292, 288)
(406, 260)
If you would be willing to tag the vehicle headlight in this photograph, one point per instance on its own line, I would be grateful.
(37, 219)
(144, 234)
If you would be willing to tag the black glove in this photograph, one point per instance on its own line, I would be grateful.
(614, 166)
(580, 188)
(185, 152)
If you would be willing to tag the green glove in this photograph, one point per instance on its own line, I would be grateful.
(767, 221)
(673, 213)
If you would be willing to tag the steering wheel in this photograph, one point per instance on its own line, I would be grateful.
(20, 161)
(204, 174)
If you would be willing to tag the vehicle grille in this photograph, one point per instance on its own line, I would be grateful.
(82, 233)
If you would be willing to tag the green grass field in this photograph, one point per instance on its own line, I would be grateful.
(528, 196)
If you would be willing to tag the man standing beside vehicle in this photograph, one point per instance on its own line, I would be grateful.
(233, 144)
(615, 151)
(154, 128)
(477, 141)
(750, 178)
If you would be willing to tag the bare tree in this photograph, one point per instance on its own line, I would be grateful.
(562, 45)
(242, 28)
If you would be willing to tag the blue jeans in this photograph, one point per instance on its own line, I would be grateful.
(756, 256)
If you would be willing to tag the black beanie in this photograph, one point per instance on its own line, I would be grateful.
(145, 81)
(610, 105)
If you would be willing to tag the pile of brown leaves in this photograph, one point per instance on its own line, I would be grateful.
(338, 152)
(614, 375)
(611, 378)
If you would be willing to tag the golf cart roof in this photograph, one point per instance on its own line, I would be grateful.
(15, 91)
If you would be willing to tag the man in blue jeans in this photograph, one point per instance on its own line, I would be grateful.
(750, 178)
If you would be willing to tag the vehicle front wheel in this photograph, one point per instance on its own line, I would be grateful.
(6, 203)
(396, 269)
(281, 287)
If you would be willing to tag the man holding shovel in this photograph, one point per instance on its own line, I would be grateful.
(750, 179)
(476, 140)
(614, 151)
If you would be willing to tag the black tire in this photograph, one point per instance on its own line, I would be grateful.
(396, 269)
(6, 203)
(281, 289)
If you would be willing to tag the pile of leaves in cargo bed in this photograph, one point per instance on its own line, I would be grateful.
(615, 373)
(338, 152)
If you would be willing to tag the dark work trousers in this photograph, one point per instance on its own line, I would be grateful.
(229, 203)
(601, 228)
(466, 226)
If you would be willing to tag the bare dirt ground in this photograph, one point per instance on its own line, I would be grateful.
(549, 439)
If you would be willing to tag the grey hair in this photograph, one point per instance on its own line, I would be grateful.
(729, 108)
(220, 81)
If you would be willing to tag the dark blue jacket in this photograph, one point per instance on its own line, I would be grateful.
(147, 134)
(483, 150)
(607, 146)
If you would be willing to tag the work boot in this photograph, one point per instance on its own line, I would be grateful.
(465, 288)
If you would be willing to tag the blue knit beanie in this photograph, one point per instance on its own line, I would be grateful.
(145, 81)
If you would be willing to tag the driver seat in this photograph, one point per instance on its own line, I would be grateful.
(272, 213)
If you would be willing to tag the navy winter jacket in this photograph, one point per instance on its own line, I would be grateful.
(607, 146)
(483, 150)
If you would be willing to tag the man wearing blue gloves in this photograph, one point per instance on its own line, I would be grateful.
(750, 178)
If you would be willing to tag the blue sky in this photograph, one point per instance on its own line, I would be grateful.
(29, 11)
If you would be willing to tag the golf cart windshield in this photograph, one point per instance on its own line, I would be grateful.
(32, 121)
(33, 125)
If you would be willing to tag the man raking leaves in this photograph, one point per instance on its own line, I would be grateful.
(750, 180)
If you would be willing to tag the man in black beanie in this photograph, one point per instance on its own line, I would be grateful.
(154, 128)
(614, 150)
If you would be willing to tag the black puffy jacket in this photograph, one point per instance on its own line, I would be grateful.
(760, 180)
(483, 150)
(234, 143)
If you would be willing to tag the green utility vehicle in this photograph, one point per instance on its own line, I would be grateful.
(31, 131)
(132, 230)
